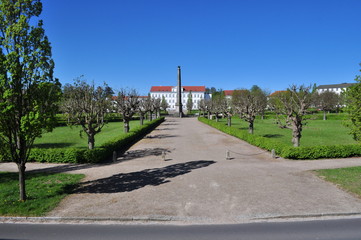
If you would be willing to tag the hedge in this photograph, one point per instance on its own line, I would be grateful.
(96, 155)
(285, 151)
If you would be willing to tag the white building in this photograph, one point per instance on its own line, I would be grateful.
(337, 88)
(170, 95)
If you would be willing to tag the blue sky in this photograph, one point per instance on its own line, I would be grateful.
(225, 44)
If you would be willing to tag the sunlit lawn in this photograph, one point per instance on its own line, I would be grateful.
(44, 192)
(70, 136)
(316, 132)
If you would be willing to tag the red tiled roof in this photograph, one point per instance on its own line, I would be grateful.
(277, 92)
(185, 88)
(161, 89)
(228, 92)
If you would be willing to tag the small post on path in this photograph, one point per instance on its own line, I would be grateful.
(163, 155)
(273, 153)
(114, 156)
(228, 157)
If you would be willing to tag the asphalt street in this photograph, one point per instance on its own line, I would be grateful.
(346, 229)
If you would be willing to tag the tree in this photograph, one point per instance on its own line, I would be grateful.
(28, 91)
(249, 103)
(327, 101)
(218, 105)
(142, 109)
(353, 106)
(202, 106)
(164, 105)
(292, 104)
(86, 105)
(156, 106)
(127, 103)
(190, 102)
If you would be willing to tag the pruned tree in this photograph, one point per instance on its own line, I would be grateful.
(149, 106)
(142, 109)
(28, 91)
(202, 106)
(327, 101)
(353, 106)
(189, 102)
(86, 105)
(127, 104)
(218, 105)
(293, 104)
(248, 104)
(156, 106)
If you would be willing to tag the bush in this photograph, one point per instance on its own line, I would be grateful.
(96, 155)
(314, 152)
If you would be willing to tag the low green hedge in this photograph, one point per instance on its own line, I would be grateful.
(96, 155)
(285, 151)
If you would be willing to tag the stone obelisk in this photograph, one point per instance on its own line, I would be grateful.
(179, 93)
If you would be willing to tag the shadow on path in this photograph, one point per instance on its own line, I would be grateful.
(133, 154)
(127, 182)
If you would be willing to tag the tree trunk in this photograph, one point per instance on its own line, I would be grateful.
(250, 127)
(296, 134)
(91, 141)
(126, 126)
(229, 121)
(21, 167)
(150, 116)
(209, 115)
(216, 117)
(324, 115)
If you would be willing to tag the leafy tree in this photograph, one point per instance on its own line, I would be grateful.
(86, 105)
(28, 91)
(353, 106)
(142, 109)
(127, 103)
(249, 103)
(164, 105)
(218, 105)
(292, 104)
(190, 102)
(327, 101)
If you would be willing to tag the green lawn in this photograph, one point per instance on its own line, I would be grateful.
(316, 132)
(348, 179)
(44, 192)
(70, 136)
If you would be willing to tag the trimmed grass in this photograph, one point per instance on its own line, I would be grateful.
(348, 179)
(44, 192)
(67, 136)
(315, 132)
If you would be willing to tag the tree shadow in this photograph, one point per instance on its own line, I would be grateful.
(127, 182)
(52, 145)
(159, 136)
(133, 154)
(272, 136)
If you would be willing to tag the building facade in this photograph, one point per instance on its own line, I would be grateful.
(170, 95)
(337, 88)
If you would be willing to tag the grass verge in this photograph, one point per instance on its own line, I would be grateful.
(348, 179)
(44, 192)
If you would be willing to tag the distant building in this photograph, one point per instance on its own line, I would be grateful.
(228, 93)
(337, 88)
(170, 95)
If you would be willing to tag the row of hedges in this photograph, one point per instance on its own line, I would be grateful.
(285, 151)
(96, 155)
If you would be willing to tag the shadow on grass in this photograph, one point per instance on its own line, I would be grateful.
(53, 145)
(272, 136)
(127, 182)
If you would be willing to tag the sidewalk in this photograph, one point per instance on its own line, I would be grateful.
(196, 184)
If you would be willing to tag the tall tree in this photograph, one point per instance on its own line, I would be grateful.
(189, 103)
(28, 91)
(164, 105)
(86, 105)
(326, 101)
(293, 104)
(249, 103)
(353, 106)
(127, 103)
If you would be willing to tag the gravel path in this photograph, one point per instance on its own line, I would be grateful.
(195, 183)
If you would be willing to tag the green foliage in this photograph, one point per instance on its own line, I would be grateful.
(353, 102)
(96, 155)
(45, 191)
(284, 150)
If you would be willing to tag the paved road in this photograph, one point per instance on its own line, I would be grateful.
(321, 230)
(196, 184)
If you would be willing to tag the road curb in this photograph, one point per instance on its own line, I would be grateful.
(175, 219)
